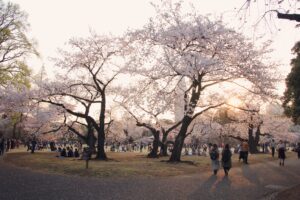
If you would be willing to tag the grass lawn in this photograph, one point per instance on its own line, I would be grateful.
(127, 164)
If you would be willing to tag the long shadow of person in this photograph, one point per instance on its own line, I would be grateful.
(224, 186)
(251, 174)
(206, 190)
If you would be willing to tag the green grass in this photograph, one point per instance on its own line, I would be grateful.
(119, 165)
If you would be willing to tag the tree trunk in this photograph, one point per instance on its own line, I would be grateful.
(14, 131)
(164, 145)
(179, 141)
(153, 153)
(253, 143)
(101, 155)
(91, 141)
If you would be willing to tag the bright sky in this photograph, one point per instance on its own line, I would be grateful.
(53, 22)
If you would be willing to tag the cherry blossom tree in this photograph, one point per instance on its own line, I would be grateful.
(177, 46)
(249, 122)
(149, 105)
(14, 107)
(87, 71)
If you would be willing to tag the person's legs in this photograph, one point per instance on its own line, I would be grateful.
(32, 149)
(246, 157)
(280, 161)
(273, 152)
(241, 156)
(226, 169)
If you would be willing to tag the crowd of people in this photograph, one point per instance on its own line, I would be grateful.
(243, 150)
(67, 152)
(131, 147)
(220, 155)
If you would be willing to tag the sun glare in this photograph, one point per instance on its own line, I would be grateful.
(234, 101)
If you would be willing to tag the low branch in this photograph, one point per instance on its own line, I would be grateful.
(148, 126)
(206, 109)
(77, 133)
(292, 17)
(243, 109)
(265, 134)
(237, 138)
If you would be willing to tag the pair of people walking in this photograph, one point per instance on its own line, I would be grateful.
(226, 159)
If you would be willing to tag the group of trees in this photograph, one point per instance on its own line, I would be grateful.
(177, 55)
(15, 46)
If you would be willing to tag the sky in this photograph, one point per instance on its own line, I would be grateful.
(54, 22)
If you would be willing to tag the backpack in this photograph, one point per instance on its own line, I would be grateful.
(213, 155)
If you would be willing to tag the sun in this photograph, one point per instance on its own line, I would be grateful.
(234, 101)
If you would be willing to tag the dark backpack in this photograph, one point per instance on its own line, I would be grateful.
(213, 155)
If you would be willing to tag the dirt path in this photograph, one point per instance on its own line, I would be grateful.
(259, 181)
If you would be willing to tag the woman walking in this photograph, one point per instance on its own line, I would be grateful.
(214, 156)
(281, 153)
(226, 159)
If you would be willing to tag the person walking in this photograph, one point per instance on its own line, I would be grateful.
(272, 145)
(214, 156)
(226, 159)
(281, 152)
(245, 149)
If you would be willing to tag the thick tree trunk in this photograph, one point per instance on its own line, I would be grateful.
(252, 141)
(189, 109)
(101, 155)
(91, 141)
(153, 153)
(164, 145)
(179, 141)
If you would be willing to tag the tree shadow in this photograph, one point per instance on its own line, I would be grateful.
(181, 162)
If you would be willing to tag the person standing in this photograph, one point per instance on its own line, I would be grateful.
(281, 152)
(214, 156)
(76, 153)
(245, 150)
(272, 144)
(33, 145)
(239, 147)
(226, 159)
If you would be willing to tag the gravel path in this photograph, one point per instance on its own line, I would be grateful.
(259, 182)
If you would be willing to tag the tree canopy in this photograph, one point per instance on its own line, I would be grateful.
(15, 45)
(291, 97)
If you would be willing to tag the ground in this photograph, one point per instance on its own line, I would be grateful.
(263, 180)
